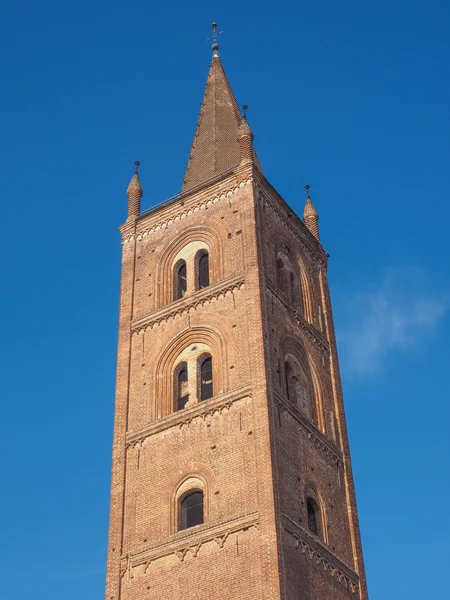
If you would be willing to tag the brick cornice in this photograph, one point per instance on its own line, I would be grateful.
(184, 417)
(311, 332)
(213, 292)
(188, 540)
(314, 435)
(182, 206)
(321, 554)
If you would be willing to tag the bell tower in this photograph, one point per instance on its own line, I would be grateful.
(231, 473)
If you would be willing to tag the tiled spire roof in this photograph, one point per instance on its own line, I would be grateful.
(215, 148)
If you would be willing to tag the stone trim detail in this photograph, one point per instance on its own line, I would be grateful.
(181, 418)
(310, 331)
(215, 291)
(206, 202)
(188, 540)
(314, 435)
(321, 555)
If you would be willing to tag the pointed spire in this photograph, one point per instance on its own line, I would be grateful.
(216, 147)
(134, 193)
(310, 216)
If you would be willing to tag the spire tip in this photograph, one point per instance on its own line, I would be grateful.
(215, 33)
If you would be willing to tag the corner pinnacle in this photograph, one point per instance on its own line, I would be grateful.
(134, 193)
(310, 216)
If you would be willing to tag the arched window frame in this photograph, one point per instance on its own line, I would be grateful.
(201, 478)
(179, 280)
(202, 272)
(180, 401)
(315, 514)
(183, 516)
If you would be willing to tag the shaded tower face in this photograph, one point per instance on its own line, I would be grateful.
(231, 473)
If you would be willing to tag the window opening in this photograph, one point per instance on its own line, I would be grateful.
(206, 390)
(293, 288)
(182, 387)
(191, 510)
(312, 517)
(203, 271)
(181, 281)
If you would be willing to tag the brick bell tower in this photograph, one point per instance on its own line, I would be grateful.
(231, 471)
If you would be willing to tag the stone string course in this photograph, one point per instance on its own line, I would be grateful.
(183, 418)
(187, 541)
(181, 307)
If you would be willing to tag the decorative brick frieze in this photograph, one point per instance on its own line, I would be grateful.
(180, 307)
(316, 437)
(316, 550)
(188, 540)
(311, 332)
(216, 405)
(149, 224)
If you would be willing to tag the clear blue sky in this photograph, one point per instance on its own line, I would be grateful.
(351, 97)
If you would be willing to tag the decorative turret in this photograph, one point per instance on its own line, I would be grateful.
(134, 193)
(245, 137)
(310, 216)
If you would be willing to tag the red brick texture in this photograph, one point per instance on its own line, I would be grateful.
(251, 448)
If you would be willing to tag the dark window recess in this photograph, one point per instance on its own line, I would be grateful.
(203, 271)
(293, 288)
(282, 276)
(280, 269)
(291, 383)
(191, 510)
(312, 517)
(206, 379)
(182, 387)
(181, 281)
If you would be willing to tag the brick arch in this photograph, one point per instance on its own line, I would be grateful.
(293, 345)
(312, 492)
(195, 476)
(211, 235)
(164, 368)
(282, 246)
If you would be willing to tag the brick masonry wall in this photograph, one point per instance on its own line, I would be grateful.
(250, 451)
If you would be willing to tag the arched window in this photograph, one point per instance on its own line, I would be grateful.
(191, 509)
(314, 517)
(182, 393)
(206, 379)
(203, 269)
(180, 284)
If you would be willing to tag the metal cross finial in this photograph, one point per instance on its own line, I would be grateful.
(307, 190)
(137, 163)
(215, 33)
